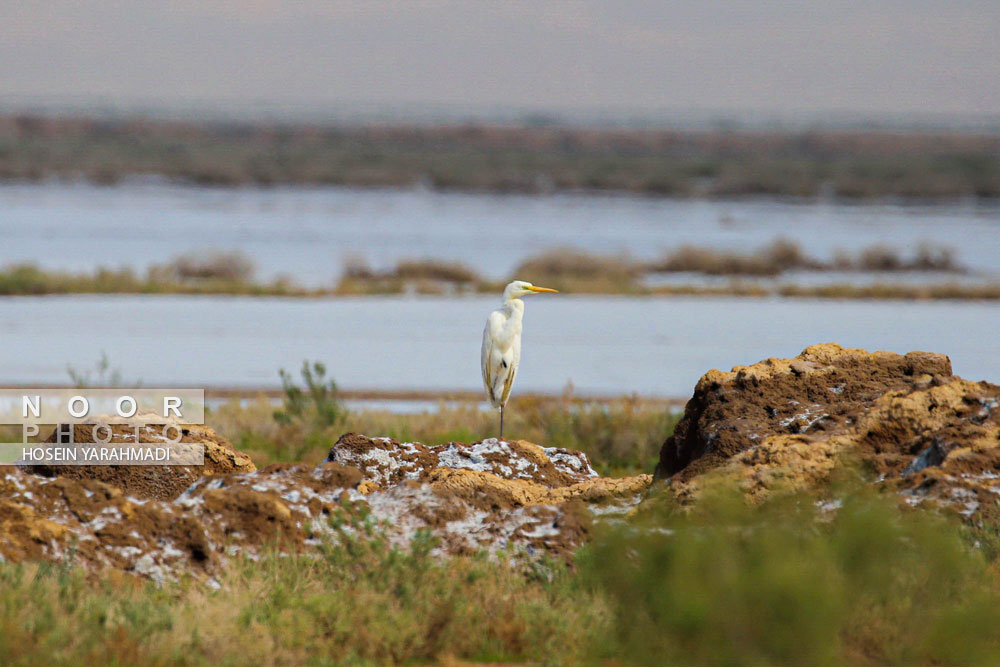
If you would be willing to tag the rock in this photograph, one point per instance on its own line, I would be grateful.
(789, 423)
(149, 482)
(385, 461)
(494, 496)
(491, 475)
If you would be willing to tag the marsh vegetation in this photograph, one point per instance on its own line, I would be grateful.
(568, 269)
(854, 164)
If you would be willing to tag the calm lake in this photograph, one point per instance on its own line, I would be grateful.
(602, 345)
(607, 345)
(307, 232)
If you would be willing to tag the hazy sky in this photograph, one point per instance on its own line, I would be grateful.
(783, 57)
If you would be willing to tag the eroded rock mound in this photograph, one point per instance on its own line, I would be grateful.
(142, 481)
(790, 422)
(491, 495)
(490, 475)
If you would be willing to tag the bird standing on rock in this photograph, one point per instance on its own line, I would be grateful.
(502, 343)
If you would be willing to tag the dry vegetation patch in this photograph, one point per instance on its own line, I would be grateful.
(856, 164)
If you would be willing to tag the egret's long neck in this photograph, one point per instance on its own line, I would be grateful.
(514, 309)
(513, 304)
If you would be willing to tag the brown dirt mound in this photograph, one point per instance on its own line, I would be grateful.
(790, 422)
(491, 475)
(490, 495)
(385, 461)
(148, 482)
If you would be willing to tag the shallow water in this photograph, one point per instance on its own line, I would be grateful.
(307, 232)
(606, 345)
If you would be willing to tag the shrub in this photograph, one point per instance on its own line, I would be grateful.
(879, 258)
(779, 256)
(360, 600)
(574, 270)
(427, 269)
(791, 583)
(231, 266)
(318, 403)
(931, 257)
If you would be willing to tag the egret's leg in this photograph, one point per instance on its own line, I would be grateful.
(501, 422)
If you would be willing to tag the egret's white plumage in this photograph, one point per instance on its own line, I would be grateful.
(501, 352)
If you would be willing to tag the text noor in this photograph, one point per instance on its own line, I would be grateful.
(126, 406)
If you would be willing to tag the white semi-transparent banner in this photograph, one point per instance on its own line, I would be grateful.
(103, 426)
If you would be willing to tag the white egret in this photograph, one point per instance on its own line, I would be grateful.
(502, 343)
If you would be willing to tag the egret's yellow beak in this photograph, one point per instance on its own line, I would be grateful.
(535, 288)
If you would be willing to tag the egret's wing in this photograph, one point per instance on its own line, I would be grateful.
(488, 369)
(508, 383)
(510, 363)
(489, 366)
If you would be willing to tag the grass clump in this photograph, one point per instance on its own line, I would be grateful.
(788, 583)
(359, 600)
(318, 402)
(423, 276)
(928, 257)
(569, 269)
(216, 265)
(781, 255)
(198, 275)
(103, 374)
(28, 279)
(364, 600)
(427, 269)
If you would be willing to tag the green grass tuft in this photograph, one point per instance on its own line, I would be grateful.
(784, 583)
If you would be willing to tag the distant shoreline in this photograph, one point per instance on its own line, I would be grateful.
(873, 292)
(760, 273)
(405, 395)
(850, 165)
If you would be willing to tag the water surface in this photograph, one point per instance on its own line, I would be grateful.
(306, 232)
(606, 345)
